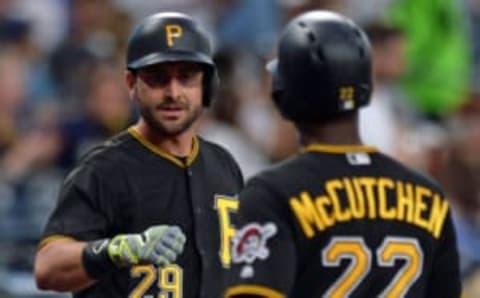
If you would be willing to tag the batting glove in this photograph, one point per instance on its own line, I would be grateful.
(158, 245)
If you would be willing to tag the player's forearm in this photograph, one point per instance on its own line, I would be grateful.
(59, 267)
(69, 265)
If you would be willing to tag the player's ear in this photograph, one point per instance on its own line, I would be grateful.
(130, 80)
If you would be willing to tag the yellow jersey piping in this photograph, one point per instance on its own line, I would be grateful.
(52, 238)
(261, 291)
(339, 148)
(190, 159)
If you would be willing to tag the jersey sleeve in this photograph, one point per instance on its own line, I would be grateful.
(82, 208)
(445, 276)
(262, 249)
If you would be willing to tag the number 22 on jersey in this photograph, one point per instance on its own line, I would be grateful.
(359, 254)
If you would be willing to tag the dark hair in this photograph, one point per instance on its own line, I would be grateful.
(378, 32)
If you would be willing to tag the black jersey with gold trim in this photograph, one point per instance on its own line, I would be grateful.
(128, 185)
(343, 222)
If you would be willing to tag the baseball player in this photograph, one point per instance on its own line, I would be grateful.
(340, 219)
(147, 214)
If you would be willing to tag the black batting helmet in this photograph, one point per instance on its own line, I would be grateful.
(170, 37)
(323, 69)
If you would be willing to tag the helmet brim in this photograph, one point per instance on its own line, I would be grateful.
(174, 56)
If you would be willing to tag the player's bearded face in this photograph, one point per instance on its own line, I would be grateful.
(169, 96)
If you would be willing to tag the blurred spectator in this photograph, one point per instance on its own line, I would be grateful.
(381, 124)
(365, 14)
(97, 31)
(242, 18)
(48, 21)
(203, 11)
(142, 8)
(13, 30)
(18, 123)
(12, 95)
(293, 8)
(219, 123)
(250, 158)
(438, 53)
(16, 34)
(460, 174)
(390, 122)
(256, 114)
(29, 144)
(473, 13)
(105, 111)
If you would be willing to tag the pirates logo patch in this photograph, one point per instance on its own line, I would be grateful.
(250, 242)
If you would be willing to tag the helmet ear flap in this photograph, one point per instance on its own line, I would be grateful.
(282, 99)
(210, 85)
(277, 92)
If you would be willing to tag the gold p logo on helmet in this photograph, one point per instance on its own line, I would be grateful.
(173, 32)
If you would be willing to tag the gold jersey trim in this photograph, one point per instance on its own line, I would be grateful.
(52, 238)
(260, 291)
(190, 159)
(339, 148)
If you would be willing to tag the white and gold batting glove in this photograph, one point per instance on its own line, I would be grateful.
(158, 245)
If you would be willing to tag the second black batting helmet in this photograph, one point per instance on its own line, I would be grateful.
(323, 68)
(171, 37)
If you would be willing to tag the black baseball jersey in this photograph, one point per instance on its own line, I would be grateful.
(343, 221)
(128, 185)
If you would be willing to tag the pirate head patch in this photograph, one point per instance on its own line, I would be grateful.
(250, 242)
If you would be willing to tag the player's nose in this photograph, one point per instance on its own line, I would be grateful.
(173, 88)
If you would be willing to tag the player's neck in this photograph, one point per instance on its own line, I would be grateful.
(179, 145)
(334, 133)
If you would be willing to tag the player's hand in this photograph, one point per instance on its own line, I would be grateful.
(159, 245)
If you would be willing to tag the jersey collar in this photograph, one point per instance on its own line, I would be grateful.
(339, 148)
(191, 157)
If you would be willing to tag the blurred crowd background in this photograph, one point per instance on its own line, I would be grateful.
(62, 91)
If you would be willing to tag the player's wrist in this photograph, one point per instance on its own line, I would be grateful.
(96, 260)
